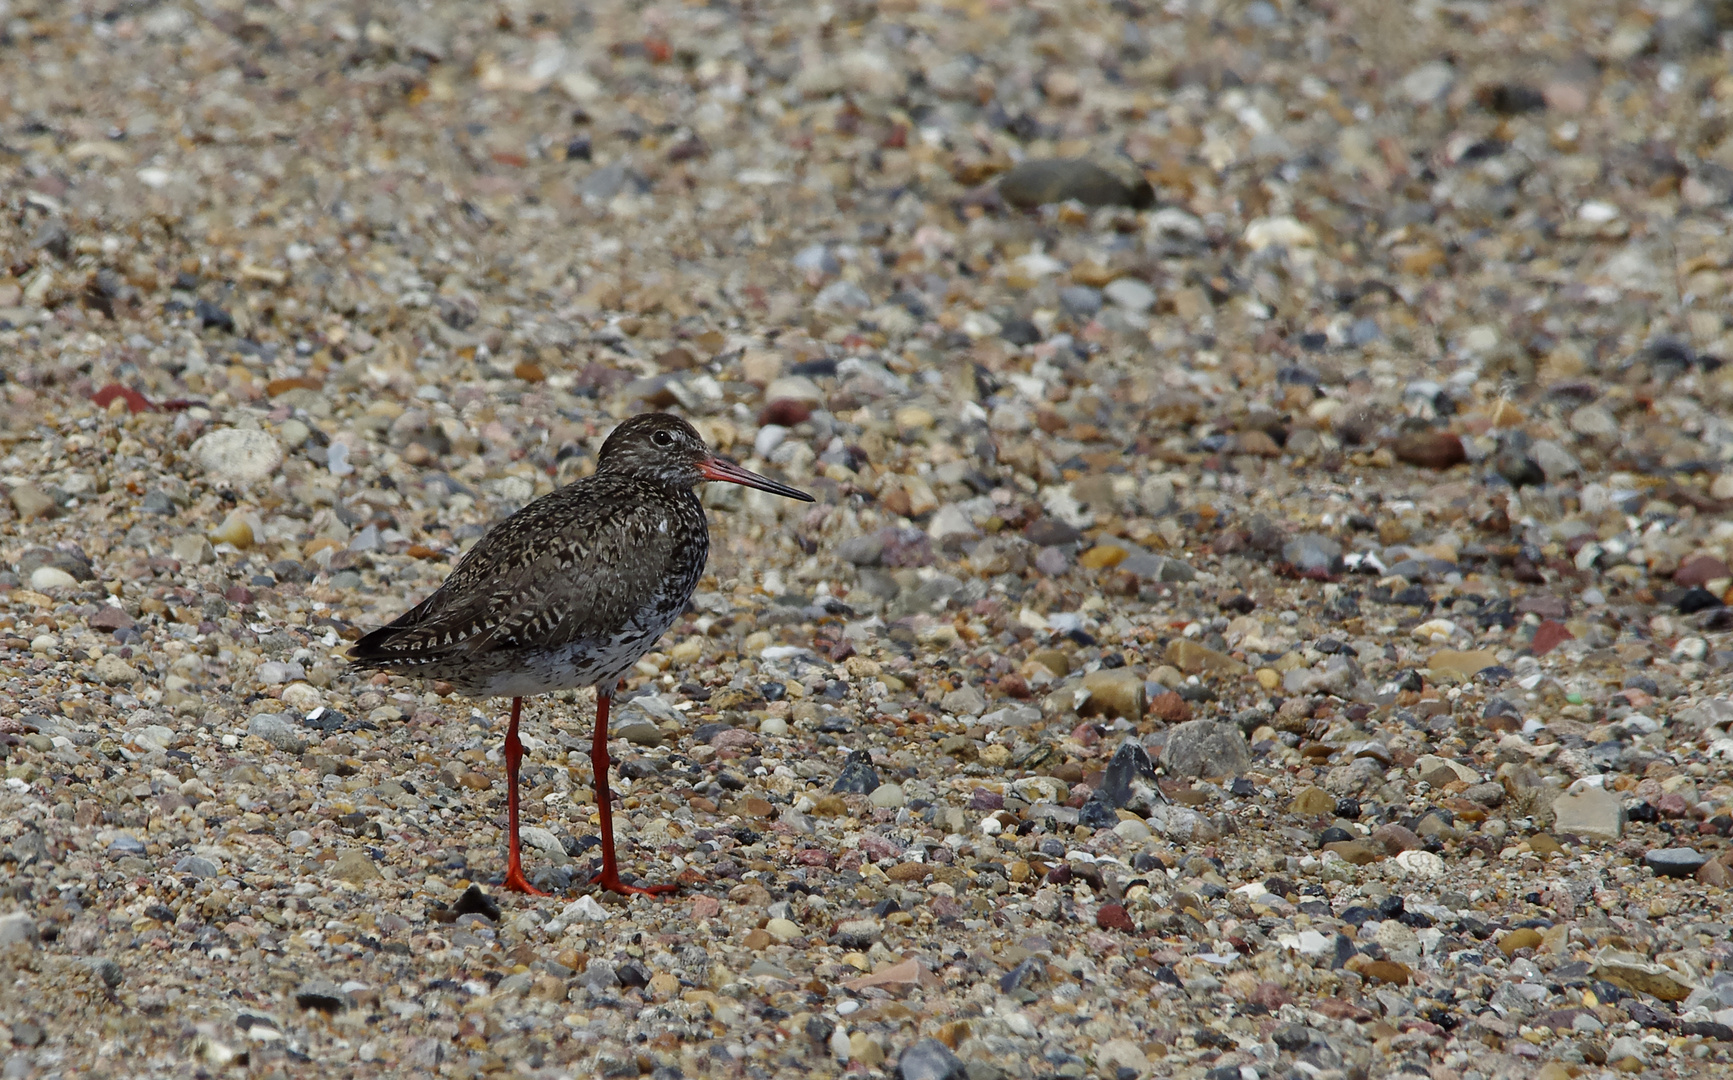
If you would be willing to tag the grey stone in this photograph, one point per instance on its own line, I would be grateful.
(1129, 779)
(1313, 553)
(1206, 748)
(1675, 862)
(125, 845)
(842, 296)
(1354, 777)
(196, 866)
(608, 181)
(1428, 82)
(1080, 300)
(238, 454)
(857, 933)
(1130, 294)
(106, 970)
(965, 700)
(1593, 812)
(949, 522)
(17, 928)
(1594, 421)
(322, 994)
(599, 975)
(816, 258)
(1052, 561)
(278, 731)
(865, 550)
(1554, 460)
(858, 776)
(72, 561)
(930, 1059)
(1182, 825)
(1054, 180)
(1012, 716)
(888, 796)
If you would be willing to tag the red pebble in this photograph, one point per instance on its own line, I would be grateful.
(1113, 917)
(1700, 570)
(785, 411)
(812, 857)
(1270, 995)
(1171, 707)
(135, 401)
(1548, 636)
(1673, 806)
(706, 907)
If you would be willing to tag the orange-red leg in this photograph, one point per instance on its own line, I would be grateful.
(609, 878)
(514, 754)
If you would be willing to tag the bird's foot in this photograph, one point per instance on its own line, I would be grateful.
(612, 883)
(516, 882)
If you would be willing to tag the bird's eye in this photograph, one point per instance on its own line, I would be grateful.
(662, 438)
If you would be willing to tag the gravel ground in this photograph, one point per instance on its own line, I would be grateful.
(1265, 613)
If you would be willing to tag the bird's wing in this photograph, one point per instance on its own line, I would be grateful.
(543, 579)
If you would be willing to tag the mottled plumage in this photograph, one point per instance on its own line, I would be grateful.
(570, 591)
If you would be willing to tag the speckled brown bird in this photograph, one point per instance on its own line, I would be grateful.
(571, 591)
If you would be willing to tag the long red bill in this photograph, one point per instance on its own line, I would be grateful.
(726, 471)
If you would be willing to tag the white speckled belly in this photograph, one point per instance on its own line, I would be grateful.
(571, 668)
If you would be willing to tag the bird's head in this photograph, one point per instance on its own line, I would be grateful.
(666, 449)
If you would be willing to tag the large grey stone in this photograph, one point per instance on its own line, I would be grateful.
(17, 928)
(1591, 812)
(278, 731)
(1206, 748)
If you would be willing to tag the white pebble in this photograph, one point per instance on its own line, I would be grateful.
(1421, 863)
(44, 578)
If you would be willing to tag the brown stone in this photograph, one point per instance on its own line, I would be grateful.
(896, 978)
(1700, 570)
(1053, 660)
(1257, 444)
(909, 871)
(1525, 938)
(1312, 802)
(1396, 838)
(1113, 917)
(1387, 971)
(109, 617)
(1357, 852)
(1544, 844)
(756, 940)
(679, 358)
(1113, 692)
(1461, 662)
(1634, 973)
(354, 867)
(1341, 1009)
(31, 503)
(1429, 449)
(1102, 557)
(1194, 659)
(1170, 707)
(1548, 636)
